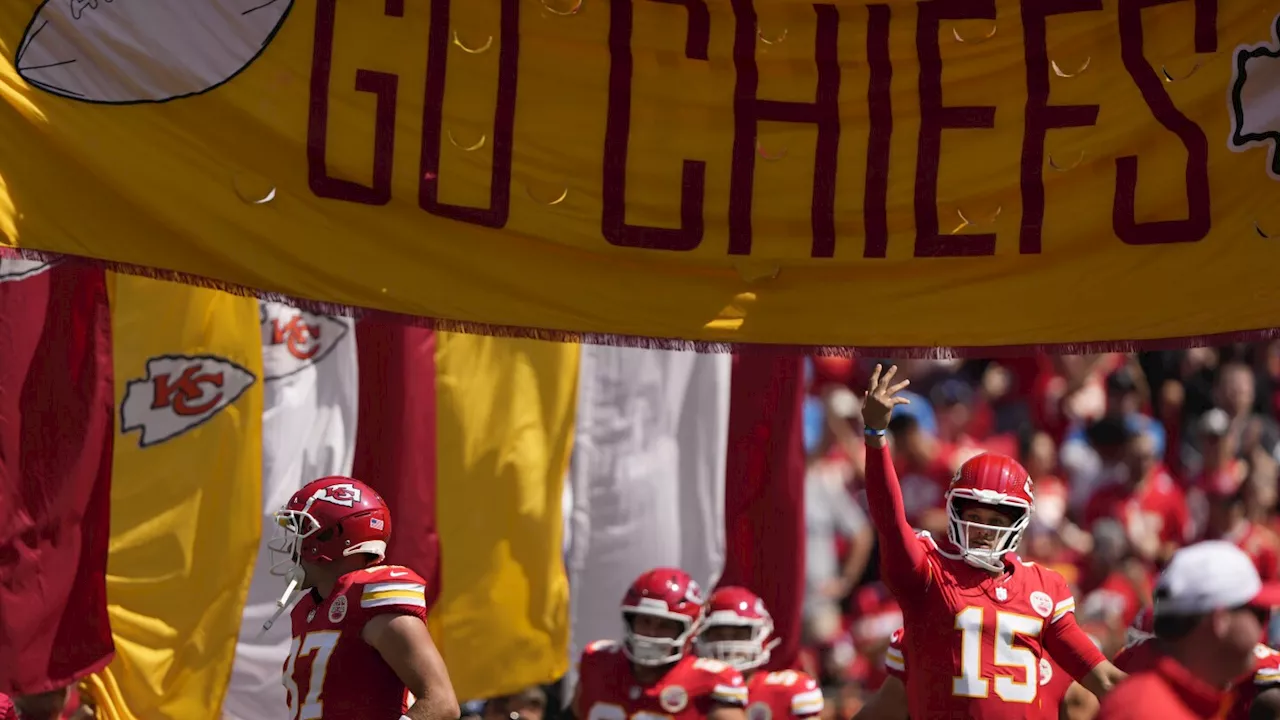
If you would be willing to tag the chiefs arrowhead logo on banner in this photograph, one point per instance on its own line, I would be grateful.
(180, 393)
(293, 339)
(1254, 98)
(13, 269)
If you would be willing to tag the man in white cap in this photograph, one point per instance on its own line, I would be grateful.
(1210, 611)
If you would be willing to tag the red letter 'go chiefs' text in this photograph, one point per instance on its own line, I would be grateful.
(1196, 225)
(385, 87)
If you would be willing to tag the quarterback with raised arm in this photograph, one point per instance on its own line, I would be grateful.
(739, 631)
(978, 619)
(361, 650)
(653, 672)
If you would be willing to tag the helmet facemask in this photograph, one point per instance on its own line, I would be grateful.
(654, 651)
(743, 655)
(291, 528)
(1004, 539)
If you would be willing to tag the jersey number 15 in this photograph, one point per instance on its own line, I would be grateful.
(970, 682)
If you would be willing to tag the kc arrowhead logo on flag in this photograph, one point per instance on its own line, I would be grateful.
(294, 340)
(179, 393)
(1254, 98)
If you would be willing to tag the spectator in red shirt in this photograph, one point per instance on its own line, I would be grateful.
(1115, 584)
(1210, 605)
(1228, 520)
(1236, 393)
(1095, 460)
(1218, 459)
(1150, 505)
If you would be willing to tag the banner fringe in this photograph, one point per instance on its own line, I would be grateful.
(654, 343)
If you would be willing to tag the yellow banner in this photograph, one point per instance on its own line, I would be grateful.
(950, 172)
(504, 418)
(186, 508)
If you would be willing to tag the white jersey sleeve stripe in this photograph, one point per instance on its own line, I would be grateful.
(895, 664)
(807, 703)
(385, 586)
(397, 593)
(1060, 611)
(394, 600)
(729, 695)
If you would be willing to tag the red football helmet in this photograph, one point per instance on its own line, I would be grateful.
(990, 479)
(669, 594)
(330, 518)
(737, 607)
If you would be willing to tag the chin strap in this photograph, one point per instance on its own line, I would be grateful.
(294, 576)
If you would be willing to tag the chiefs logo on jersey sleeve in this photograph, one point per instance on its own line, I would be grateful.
(178, 393)
(294, 340)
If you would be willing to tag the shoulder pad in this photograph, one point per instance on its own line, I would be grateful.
(728, 686)
(808, 701)
(711, 665)
(390, 585)
(602, 646)
(388, 573)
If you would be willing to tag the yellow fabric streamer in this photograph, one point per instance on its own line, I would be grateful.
(185, 496)
(505, 428)
(867, 174)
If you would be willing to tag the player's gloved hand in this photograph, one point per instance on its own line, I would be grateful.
(881, 398)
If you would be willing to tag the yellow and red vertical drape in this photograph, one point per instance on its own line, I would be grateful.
(522, 475)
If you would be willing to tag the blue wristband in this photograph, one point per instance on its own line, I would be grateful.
(873, 432)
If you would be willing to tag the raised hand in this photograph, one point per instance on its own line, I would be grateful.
(882, 398)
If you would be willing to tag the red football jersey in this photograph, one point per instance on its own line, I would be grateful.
(1143, 655)
(977, 638)
(1054, 681)
(331, 672)
(608, 689)
(1158, 506)
(783, 694)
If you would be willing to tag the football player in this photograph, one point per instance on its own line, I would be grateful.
(361, 650)
(652, 672)
(1059, 697)
(1256, 696)
(978, 618)
(739, 631)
